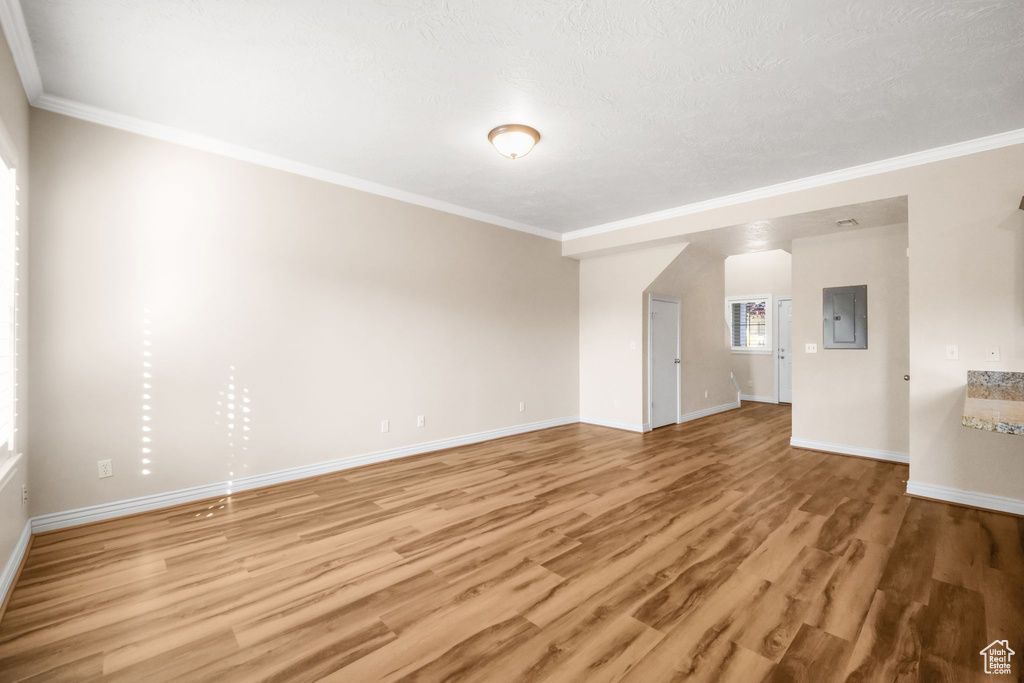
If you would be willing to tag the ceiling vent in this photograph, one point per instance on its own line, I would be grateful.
(847, 223)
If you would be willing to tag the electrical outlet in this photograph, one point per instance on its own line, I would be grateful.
(522, 406)
(632, 346)
(810, 348)
(420, 421)
(992, 354)
(952, 352)
(385, 426)
(24, 495)
(705, 393)
(106, 468)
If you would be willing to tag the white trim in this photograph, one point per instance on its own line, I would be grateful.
(775, 350)
(757, 399)
(119, 508)
(8, 152)
(177, 136)
(697, 414)
(769, 320)
(860, 451)
(13, 22)
(14, 561)
(627, 426)
(958, 149)
(650, 356)
(8, 468)
(987, 501)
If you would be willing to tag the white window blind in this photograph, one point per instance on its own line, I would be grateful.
(750, 323)
(8, 282)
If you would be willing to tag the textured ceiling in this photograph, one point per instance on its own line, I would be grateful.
(779, 233)
(642, 106)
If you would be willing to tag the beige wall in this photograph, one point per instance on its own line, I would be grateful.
(14, 118)
(765, 272)
(611, 333)
(966, 239)
(331, 308)
(846, 396)
(706, 358)
(697, 278)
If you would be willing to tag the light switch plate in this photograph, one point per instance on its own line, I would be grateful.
(811, 348)
(992, 354)
(385, 426)
(952, 352)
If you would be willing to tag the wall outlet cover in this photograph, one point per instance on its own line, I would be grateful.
(106, 468)
(385, 426)
(811, 348)
(420, 421)
(522, 406)
(992, 354)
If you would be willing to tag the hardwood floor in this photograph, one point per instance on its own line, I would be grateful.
(709, 551)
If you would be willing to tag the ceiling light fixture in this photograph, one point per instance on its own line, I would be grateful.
(847, 223)
(514, 140)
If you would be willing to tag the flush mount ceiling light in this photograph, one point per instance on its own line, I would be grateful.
(514, 140)
(847, 223)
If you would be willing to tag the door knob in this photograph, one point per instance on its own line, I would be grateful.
(906, 378)
(677, 360)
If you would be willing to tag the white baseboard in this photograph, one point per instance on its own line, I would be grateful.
(861, 451)
(120, 508)
(697, 414)
(986, 501)
(14, 561)
(758, 399)
(628, 426)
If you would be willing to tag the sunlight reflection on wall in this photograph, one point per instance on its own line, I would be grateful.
(233, 413)
(147, 391)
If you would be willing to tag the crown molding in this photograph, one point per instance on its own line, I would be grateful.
(1007, 139)
(150, 129)
(13, 23)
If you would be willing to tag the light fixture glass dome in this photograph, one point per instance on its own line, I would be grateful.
(514, 140)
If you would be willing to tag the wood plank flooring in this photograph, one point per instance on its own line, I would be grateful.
(709, 551)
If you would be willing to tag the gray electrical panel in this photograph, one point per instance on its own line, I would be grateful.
(846, 317)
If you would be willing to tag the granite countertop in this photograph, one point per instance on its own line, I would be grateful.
(995, 401)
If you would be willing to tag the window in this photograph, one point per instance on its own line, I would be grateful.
(750, 323)
(8, 218)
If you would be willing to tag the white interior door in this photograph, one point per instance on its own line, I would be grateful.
(664, 356)
(785, 327)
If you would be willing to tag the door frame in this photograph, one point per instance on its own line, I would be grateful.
(775, 340)
(650, 356)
